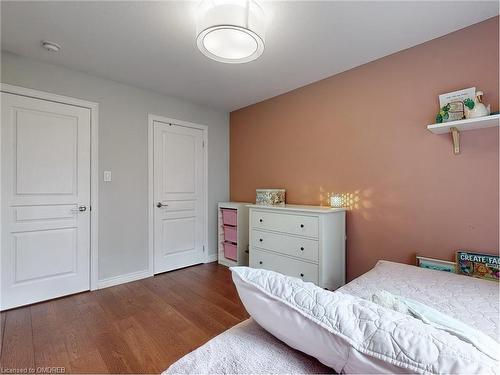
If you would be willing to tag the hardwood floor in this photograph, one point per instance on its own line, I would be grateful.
(139, 327)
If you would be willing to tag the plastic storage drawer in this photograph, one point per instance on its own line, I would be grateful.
(230, 251)
(229, 216)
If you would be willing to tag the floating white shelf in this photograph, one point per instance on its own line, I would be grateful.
(468, 124)
(455, 127)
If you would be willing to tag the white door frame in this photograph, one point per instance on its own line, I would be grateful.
(166, 120)
(94, 166)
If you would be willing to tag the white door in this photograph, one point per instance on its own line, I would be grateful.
(179, 193)
(45, 200)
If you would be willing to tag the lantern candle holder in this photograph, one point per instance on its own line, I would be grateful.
(336, 200)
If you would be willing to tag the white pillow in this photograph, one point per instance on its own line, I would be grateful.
(349, 334)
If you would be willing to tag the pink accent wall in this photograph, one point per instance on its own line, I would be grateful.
(363, 132)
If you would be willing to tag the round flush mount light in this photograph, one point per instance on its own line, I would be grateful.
(51, 46)
(230, 31)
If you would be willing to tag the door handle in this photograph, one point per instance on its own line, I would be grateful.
(160, 205)
(79, 209)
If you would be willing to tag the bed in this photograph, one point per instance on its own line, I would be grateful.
(248, 348)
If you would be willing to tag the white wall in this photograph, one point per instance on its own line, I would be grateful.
(123, 126)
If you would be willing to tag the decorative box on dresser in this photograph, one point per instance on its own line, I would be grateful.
(302, 241)
(233, 233)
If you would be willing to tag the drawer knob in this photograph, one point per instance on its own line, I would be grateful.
(260, 262)
(302, 225)
(301, 275)
(260, 239)
(302, 248)
(260, 220)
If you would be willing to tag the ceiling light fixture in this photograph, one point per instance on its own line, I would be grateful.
(51, 46)
(230, 31)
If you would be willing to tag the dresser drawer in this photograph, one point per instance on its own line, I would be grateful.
(294, 224)
(303, 248)
(278, 263)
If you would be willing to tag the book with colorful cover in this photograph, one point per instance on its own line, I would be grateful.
(483, 266)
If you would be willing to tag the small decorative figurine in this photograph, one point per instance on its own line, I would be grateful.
(475, 108)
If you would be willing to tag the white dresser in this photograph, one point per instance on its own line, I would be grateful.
(301, 241)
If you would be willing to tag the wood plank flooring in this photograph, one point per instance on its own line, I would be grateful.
(138, 327)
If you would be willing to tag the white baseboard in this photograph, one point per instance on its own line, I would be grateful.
(133, 276)
(121, 279)
(211, 258)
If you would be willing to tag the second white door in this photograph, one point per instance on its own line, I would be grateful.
(179, 196)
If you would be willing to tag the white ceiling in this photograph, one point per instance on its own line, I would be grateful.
(152, 44)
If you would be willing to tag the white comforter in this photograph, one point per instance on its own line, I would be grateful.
(395, 338)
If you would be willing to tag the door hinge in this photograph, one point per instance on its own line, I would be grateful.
(203, 248)
(203, 144)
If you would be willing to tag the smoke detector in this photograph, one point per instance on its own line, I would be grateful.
(51, 46)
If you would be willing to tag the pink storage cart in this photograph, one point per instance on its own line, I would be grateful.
(233, 234)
